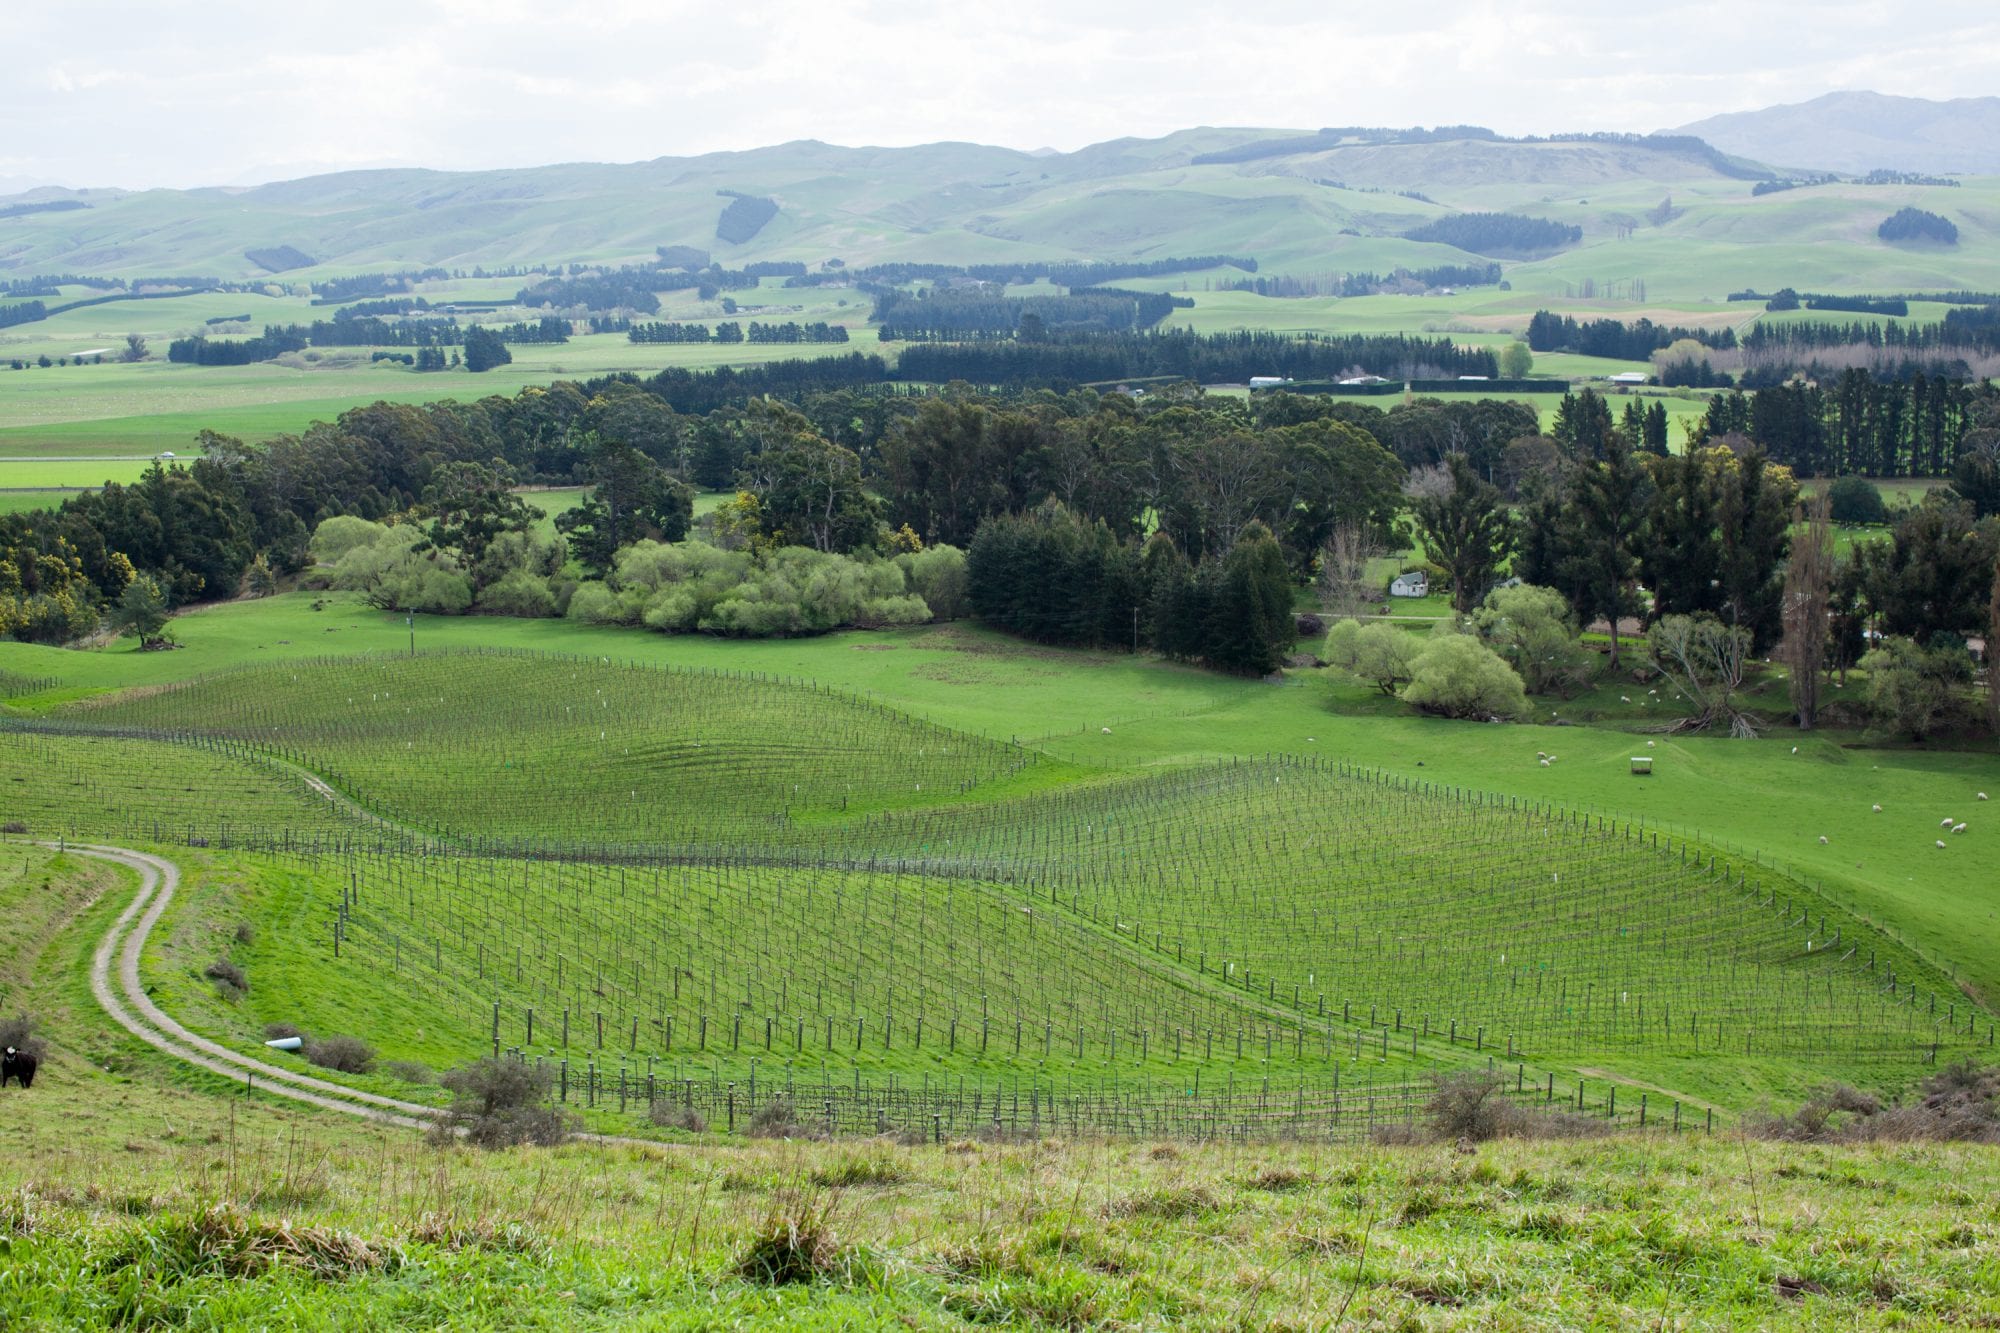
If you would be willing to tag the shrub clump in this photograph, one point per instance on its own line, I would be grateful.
(1473, 1108)
(19, 1032)
(1958, 1104)
(1458, 676)
(777, 1119)
(228, 978)
(503, 1104)
(668, 1115)
(346, 1055)
(409, 1071)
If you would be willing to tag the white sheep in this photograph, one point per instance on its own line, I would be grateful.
(1545, 763)
(1958, 828)
(1946, 822)
(1982, 796)
(1822, 839)
(1105, 730)
(1795, 749)
(1877, 809)
(1651, 744)
(1940, 843)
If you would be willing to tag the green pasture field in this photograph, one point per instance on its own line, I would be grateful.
(156, 405)
(81, 473)
(152, 405)
(27, 502)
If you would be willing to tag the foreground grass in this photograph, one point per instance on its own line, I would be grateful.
(169, 1210)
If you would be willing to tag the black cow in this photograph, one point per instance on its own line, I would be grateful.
(18, 1064)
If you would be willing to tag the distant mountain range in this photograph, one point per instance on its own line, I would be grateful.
(1328, 198)
(1668, 214)
(1860, 132)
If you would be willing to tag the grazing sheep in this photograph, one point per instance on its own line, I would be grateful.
(1651, 744)
(1946, 822)
(1940, 843)
(1877, 809)
(1545, 763)
(1822, 839)
(1105, 730)
(1958, 828)
(1982, 796)
(18, 1064)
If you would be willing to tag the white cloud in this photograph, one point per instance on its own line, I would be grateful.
(185, 92)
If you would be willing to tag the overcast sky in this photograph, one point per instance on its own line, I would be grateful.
(202, 92)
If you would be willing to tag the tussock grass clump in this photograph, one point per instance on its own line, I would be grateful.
(224, 1240)
(451, 1231)
(410, 1071)
(1420, 1205)
(1279, 1180)
(504, 1104)
(795, 1241)
(22, 1212)
(346, 1055)
(850, 1172)
(1325, 1244)
(1545, 1224)
(1169, 1203)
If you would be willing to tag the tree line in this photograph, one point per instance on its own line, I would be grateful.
(1858, 423)
(1614, 338)
(947, 313)
(1501, 235)
(1063, 360)
(729, 331)
(1369, 284)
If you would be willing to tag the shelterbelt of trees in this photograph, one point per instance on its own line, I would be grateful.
(1173, 483)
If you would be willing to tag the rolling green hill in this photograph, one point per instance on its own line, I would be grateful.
(1681, 219)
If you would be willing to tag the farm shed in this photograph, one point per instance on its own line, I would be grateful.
(1414, 584)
